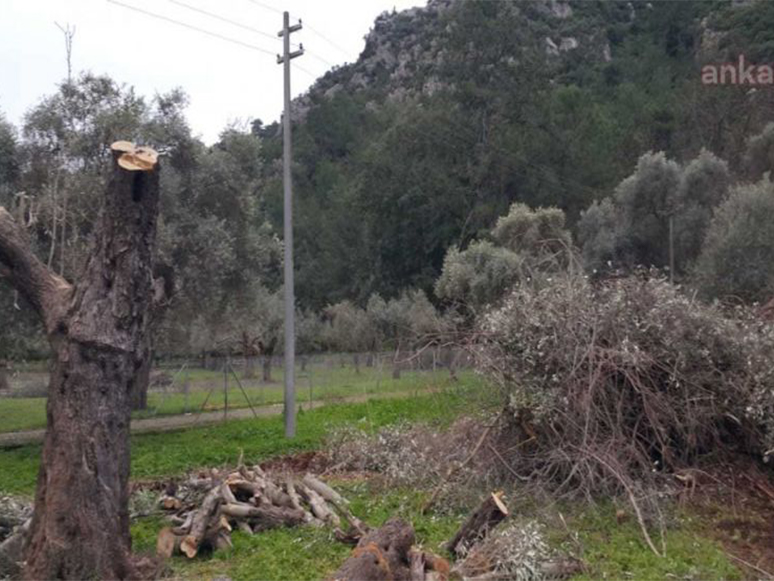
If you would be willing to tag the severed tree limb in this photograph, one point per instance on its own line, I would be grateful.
(202, 520)
(318, 505)
(294, 498)
(48, 293)
(338, 501)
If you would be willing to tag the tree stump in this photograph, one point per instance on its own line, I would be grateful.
(487, 516)
(381, 555)
(97, 329)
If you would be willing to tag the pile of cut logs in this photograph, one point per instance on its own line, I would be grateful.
(205, 509)
(250, 500)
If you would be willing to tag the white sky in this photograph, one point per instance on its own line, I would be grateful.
(225, 82)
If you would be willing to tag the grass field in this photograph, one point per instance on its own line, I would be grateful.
(611, 548)
(206, 392)
(173, 453)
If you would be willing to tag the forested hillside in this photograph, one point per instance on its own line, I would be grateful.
(452, 113)
(457, 110)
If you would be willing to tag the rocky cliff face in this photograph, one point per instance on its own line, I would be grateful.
(405, 52)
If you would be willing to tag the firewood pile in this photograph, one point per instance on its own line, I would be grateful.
(205, 509)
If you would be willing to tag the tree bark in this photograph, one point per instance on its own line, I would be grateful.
(97, 331)
(249, 367)
(141, 381)
(383, 554)
(4, 386)
(267, 368)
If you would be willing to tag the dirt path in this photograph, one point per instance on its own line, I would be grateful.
(177, 422)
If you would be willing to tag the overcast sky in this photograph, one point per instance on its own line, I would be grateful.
(225, 82)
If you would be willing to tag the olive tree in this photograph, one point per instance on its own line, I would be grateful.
(658, 216)
(759, 154)
(736, 258)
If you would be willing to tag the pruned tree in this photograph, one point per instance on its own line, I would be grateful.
(97, 329)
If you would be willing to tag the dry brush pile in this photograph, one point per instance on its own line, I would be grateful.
(610, 386)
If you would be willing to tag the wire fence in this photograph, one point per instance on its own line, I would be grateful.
(238, 387)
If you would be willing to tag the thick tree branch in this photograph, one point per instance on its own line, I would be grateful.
(47, 292)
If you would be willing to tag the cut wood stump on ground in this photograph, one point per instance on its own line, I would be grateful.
(388, 554)
(487, 516)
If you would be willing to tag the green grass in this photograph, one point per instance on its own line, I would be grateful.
(614, 550)
(323, 384)
(22, 413)
(303, 553)
(173, 453)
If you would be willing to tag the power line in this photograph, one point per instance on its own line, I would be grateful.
(265, 6)
(303, 70)
(326, 39)
(309, 28)
(319, 58)
(224, 19)
(195, 28)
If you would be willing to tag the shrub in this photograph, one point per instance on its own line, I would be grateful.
(736, 258)
(532, 232)
(479, 275)
(759, 156)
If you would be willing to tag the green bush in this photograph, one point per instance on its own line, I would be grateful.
(736, 261)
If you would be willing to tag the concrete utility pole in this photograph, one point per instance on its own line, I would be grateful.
(290, 302)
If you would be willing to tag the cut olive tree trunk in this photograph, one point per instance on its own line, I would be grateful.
(97, 330)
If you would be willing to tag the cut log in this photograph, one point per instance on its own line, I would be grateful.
(225, 492)
(273, 494)
(324, 490)
(202, 520)
(381, 555)
(294, 498)
(170, 503)
(319, 507)
(243, 489)
(185, 526)
(487, 516)
(168, 543)
(417, 571)
(338, 501)
(264, 517)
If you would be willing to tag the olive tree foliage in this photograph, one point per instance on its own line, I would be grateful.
(524, 240)
(215, 243)
(736, 261)
(348, 327)
(533, 233)
(633, 227)
(9, 161)
(223, 249)
(403, 322)
(20, 333)
(759, 155)
(479, 275)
